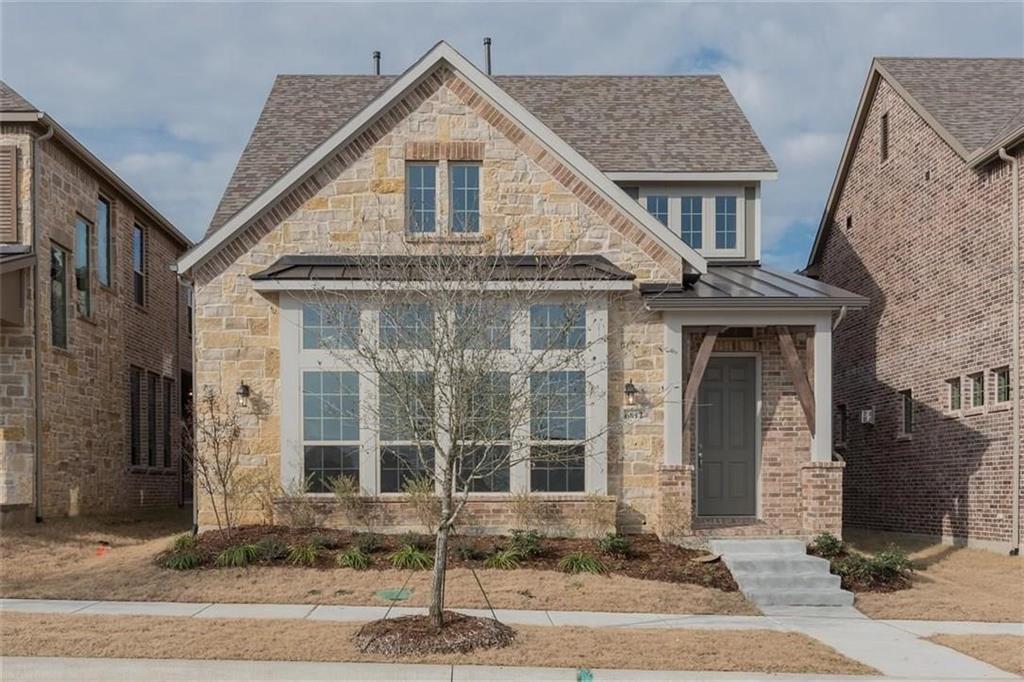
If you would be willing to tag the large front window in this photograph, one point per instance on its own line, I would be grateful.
(330, 428)
(521, 411)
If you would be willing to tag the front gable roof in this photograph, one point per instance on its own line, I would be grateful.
(441, 54)
(974, 105)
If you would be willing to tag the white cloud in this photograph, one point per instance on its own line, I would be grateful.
(192, 77)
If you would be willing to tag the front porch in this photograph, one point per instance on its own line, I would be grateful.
(748, 404)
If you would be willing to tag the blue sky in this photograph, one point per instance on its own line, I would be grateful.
(167, 94)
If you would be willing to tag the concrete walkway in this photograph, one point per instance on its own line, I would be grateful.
(894, 648)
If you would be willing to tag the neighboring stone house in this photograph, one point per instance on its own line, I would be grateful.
(342, 166)
(924, 219)
(94, 349)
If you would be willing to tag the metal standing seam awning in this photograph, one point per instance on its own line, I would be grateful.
(749, 286)
(354, 272)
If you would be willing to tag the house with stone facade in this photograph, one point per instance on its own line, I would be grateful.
(924, 219)
(714, 374)
(95, 354)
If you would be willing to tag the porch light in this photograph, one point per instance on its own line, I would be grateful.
(630, 390)
(243, 395)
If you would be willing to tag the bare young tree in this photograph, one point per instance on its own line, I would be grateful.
(214, 445)
(472, 364)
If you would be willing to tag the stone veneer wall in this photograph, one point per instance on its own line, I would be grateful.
(85, 441)
(529, 204)
(930, 246)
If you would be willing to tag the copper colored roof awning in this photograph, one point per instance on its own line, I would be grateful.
(749, 286)
(544, 269)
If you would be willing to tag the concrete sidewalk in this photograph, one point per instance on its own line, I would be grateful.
(103, 670)
(894, 648)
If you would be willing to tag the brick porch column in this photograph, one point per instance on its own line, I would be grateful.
(674, 501)
(821, 490)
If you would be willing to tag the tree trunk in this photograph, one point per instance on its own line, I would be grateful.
(436, 611)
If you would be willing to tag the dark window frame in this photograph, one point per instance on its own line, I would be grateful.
(883, 137)
(954, 394)
(167, 418)
(906, 412)
(63, 340)
(140, 248)
(1003, 385)
(135, 415)
(152, 382)
(104, 243)
(83, 266)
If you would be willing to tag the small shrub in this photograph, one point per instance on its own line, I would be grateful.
(504, 559)
(298, 509)
(185, 542)
(368, 543)
(237, 556)
(616, 544)
(306, 554)
(527, 543)
(353, 557)
(468, 551)
(271, 548)
(828, 545)
(410, 557)
(891, 564)
(890, 568)
(423, 500)
(580, 562)
(183, 560)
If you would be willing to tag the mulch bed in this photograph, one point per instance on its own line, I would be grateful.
(416, 635)
(650, 558)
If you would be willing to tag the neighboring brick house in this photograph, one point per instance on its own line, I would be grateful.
(691, 315)
(924, 220)
(94, 349)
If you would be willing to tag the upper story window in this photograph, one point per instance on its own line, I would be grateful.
(464, 180)
(955, 396)
(58, 297)
(1002, 379)
(657, 206)
(421, 197)
(555, 325)
(103, 240)
(83, 232)
(139, 265)
(484, 325)
(883, 136)
(710, 219)
(329, 326)
(977, 383)
(725, 222)
(190, 309)
(691, 221)
(406, 325)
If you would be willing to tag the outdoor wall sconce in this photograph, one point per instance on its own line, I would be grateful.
(631, 392)
(243, 395)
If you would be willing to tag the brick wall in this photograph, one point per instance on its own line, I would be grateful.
(85, 456)
(930, 245)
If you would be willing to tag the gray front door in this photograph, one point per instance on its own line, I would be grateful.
(726, 438)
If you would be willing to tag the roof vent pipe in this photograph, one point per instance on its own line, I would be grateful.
(487, 55)
(376, 62)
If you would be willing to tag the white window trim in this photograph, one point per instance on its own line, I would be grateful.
(707, 194)
(295, 360)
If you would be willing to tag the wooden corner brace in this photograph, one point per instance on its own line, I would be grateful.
(700, 364)
(804, 392)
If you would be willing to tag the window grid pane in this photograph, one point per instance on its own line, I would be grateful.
(82, 230)
(330, 406)
(400, 464)
(421, 180)
(557, 406)
(691, 221)
(329, 326)
(657, 206)
(1003, 385)
(486, 468)
(465, 191)
(557, 469)
(725, 222)
(484, 326)
(406, 406)
(322, 463)
(977, 390)
(955, 398)
(407, 325)
(554, 326)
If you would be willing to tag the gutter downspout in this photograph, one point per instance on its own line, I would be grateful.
(1015, 273)
(37, 285)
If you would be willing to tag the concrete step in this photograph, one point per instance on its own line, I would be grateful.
(791, 581)
(800, 597)
(774, 564)
(737, 548)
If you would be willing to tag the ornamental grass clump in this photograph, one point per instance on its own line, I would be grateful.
(305, 554)
(580, 562)
(184, 554)
(412, 558)
(353, 558)
(237, 556)
(271, 548)
(504, 559)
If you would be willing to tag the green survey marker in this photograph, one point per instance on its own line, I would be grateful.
(584, 675)
(394, 593)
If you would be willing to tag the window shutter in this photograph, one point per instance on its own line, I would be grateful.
(8, 195)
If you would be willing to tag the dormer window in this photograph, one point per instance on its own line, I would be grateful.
(711, 219)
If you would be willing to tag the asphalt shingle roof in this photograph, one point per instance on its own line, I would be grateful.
(974, 99)
(619, 123)
(11, 101)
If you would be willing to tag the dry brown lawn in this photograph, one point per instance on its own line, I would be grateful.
(289, 640)
(63, 560)
(949, 583)
(1002, 651)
